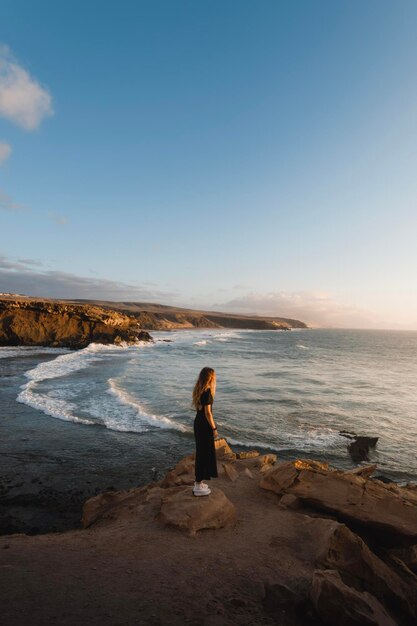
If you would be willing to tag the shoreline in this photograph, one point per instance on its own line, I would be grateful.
(264, 552)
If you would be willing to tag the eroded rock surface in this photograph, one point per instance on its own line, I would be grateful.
(336, 603)
(182, 509)
(31, 322)
(388, 510)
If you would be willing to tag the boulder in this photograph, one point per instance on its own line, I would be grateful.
(389, 511)
(182, 474)
(336, 603)
(182, 509)
(360, 447)
(223, 450)
(338, 548)
(265, 462)
(248, 473)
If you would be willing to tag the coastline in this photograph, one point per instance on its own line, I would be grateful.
(253, 552)
(50, 466)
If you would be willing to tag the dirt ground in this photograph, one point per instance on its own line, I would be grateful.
(138, 571)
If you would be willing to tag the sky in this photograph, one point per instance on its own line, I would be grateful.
(252, 157)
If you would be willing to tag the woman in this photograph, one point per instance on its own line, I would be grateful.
(205, 431)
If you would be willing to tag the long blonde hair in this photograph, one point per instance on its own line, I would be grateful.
(206, 380)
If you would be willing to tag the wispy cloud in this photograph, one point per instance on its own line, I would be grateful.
(61, 220)
(7, 204)
(23, 100)
(5, 151)
(315, 308)
(26, 276)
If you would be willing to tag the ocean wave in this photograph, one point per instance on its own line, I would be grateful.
(63, 365)
(203, 342)
(254, 444)
(325, 439)
(160, 421)
(18, 351)
(61, 409)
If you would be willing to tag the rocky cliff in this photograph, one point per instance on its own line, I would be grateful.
(161, 317)
(29, 322)
(294, 543)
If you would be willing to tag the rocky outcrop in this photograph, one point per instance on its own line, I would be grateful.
(359, 445)
(274, 554)
(31, 322)
(341, 549)
(181, 509)
(387, 511)
(336, 603)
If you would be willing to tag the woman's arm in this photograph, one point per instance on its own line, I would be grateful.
(209, 417)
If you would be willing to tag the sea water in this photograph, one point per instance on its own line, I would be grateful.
(288, 392)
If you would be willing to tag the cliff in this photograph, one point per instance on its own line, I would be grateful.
(162, 317)
(30, 321)
(295, 544)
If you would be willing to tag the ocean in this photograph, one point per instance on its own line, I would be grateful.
(287, 392)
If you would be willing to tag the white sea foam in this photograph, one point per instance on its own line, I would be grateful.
(314, 438)
(61, 409)
(302, 347)
(63, 365)
(203, 342)
(9, 352)
(161, 421)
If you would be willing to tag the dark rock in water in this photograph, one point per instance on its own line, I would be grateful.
(359, 448)
(360, 445)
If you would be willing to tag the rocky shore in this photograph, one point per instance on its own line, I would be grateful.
(28, 321)
(33, 322)
(292, 543)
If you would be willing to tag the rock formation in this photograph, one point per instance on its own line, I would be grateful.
(161, 317)
(359, 445)
(387, 510)
(31, 322)
(296, 544)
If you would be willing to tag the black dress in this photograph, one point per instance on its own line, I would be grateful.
(205, 453)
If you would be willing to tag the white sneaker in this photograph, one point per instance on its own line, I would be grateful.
(201, 490)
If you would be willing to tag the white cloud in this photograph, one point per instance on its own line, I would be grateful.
(5, 150)
(313, 307)
(22, 99)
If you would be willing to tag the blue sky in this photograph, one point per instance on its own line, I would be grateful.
(257, 157)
